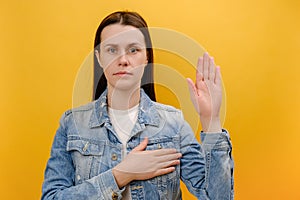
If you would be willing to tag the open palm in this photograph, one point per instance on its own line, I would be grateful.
(206, 92)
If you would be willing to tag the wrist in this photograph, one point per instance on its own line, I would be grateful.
(211, 125)
(122, 179)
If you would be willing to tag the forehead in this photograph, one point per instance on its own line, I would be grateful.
(121, 34)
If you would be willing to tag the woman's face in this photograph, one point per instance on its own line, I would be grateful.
(122, 56)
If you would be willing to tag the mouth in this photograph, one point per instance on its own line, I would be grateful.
(122, 73)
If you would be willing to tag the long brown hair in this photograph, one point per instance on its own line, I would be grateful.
(132, 19)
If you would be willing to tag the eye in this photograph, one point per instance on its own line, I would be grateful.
(133, 50)
(112, 50)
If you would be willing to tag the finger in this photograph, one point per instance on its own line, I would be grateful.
(205, 66)
(168, 164)
(169, 157)
(142, 145)
(164, 171)
(199, 78)
(162, 152)
(218, 77)
(212, 69)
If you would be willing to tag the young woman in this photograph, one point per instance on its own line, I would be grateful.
(124, 145)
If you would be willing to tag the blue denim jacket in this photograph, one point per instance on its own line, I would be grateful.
(86, 148)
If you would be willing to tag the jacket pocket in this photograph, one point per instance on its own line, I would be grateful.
(87, 156)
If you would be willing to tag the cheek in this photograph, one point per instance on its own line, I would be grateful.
(139, 60)
(106, 60)
(108, 70)
(139, 71)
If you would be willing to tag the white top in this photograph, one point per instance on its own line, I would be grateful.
(123, 122)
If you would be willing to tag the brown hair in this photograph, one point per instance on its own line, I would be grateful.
(131, 19)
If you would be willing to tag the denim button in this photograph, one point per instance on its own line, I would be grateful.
(85, 147)
(79, 179)
(114, 196)
(158, 146)
(114, 156)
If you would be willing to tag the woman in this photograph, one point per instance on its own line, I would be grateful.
(125, 145)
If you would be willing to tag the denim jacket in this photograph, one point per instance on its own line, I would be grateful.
(86, 148)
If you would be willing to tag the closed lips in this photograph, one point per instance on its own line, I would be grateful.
(122, 73)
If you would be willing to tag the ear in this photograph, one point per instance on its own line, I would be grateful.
(97, 54)
(146, 61)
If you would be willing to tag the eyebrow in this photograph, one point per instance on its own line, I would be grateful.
(131, 44)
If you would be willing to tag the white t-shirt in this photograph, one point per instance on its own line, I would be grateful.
(123, 122)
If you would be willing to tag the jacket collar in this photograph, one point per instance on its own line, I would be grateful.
(147, 115)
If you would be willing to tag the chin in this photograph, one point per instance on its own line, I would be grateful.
(126, 86)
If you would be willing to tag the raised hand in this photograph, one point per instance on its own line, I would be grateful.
(143, 165)
(206, 93)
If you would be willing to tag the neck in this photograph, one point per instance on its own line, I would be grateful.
(122, 99)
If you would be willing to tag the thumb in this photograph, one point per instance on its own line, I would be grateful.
(142, 145)
(192, 88)
(193, 93)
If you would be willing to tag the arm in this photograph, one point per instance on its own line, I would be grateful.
(215, 154)
(217, 149)
(60, 174)
(207, 169)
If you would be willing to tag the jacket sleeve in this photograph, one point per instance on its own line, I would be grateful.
(59, 176)
(207, 168)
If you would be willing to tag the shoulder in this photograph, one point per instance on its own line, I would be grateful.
(79, 110)
(83, 108)
(165, 107)
(167, 110)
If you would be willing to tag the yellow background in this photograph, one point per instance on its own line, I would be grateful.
(256, 43)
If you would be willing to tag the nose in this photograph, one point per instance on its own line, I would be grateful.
(123, 60)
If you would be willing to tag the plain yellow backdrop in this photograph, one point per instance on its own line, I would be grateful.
(256, 43)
